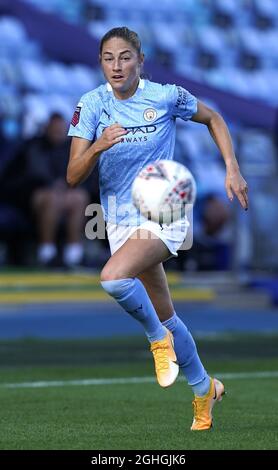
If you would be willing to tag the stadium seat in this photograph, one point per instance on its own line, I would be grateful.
(214, 47)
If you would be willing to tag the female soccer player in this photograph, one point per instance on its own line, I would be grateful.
(123, 125)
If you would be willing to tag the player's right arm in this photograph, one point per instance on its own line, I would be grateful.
(84, 154)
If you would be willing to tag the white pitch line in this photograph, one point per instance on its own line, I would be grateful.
(133, 380)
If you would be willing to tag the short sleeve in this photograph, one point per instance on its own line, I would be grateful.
(181, 103)
(83, 123)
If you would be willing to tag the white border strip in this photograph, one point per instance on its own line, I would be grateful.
(133, 380)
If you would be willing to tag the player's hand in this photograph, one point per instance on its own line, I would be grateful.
(111, 135)
(236, 185)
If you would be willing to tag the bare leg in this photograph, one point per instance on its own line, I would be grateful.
(156, 285)
(48, 207)
(76, 201)
(135, 257)
(118, 278)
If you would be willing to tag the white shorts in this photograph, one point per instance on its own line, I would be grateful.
(173, 235)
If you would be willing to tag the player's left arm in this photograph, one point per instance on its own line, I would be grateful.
(235, 183)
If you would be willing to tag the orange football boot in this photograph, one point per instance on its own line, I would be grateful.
(165, 358)
(202, 406)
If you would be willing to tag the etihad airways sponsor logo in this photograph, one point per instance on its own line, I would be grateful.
(141, 129)
(138, 134)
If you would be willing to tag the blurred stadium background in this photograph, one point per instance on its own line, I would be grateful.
(56, 324)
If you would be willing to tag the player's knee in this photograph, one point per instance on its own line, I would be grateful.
(53, 199)
(112, 273)
(40, 198)
(78, 198)
(117, 287)
(107, 274)
(46, 198)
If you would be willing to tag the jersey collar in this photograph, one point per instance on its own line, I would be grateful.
(141, 85)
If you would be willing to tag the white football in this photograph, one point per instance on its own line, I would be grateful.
(164, 191)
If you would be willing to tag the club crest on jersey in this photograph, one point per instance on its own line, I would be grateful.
(150, 114)
(76, 114)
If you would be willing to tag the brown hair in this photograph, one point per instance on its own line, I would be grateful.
(124, 33)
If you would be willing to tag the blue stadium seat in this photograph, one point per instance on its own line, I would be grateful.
(230, 58)
(212, 53)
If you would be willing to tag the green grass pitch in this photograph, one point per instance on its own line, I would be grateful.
(136, 416)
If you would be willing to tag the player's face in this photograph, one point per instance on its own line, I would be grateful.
(121, 66)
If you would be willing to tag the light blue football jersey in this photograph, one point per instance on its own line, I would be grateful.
(149, 116)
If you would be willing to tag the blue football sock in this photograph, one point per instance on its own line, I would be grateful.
(187, 356)
(200, 389)
(132, 296)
